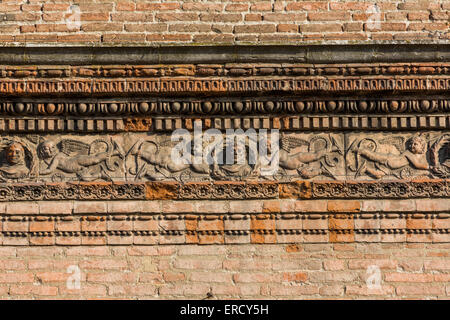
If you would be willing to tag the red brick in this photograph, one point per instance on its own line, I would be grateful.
(39, 226)
(331, 290)
(16, 277)
(114, 277)
(91, 207)
(237, 7)
(344, 206)
(210, 277)
(420, 290)
(408, 277)
(287, 28)
(329, 16)
(68, 225)
(263, 229)
(175, 17)
(125, 6)
(173, 277)
(178, 207)
(206, 264)
(262, 277)
(307, 6)
(16, 226)
(284, 17)
(22, 208)
(33, 290)
(365, 291)
(221, 17)
(278, 290)
(261, 6)
(255, 28)
(351, 6)
(295, 277)
(321, 27)
(93, 224)
(436, 265)
(334, 265)
(364, 264)
(95, 16)
(249, 206)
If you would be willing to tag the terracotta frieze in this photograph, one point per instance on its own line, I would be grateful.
(195, 86)
(239, 106)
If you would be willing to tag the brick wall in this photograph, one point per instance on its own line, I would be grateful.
(206, 222)
(297, 271)
(290, 249)
(142, 22)
(289, 246)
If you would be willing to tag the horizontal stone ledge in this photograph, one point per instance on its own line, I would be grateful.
(232, 210)
(211, 237)
(367, 53)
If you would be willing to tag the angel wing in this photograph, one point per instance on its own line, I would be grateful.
(288, 143)
(72, 147)
(33, 138)
(398, 142)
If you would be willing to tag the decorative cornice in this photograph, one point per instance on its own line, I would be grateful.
(192, 216)
(242, 106)
(161, 124)
(313, 54)
(227, 70)
(286, 85)
(343, 112)
(226, 190)
(207, 229)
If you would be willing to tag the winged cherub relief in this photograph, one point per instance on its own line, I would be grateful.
(440, 157)
(17, 161)
(392, 156)
(153, 160)
(317, 156)
(241, 166)
(87, 162)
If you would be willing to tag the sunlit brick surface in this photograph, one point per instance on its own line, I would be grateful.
(301, 271)
(106, 22)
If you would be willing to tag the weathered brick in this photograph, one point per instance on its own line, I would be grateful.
(344, 206)
(22, 208)
(90, 207)
(408, 277)
(420, 290)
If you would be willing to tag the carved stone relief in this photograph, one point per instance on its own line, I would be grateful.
(140, 157)
(396, 156)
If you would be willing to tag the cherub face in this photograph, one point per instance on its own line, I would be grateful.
(15, 154)
(417, 145)
(48, 150)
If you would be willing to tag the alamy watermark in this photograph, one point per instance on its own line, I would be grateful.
(235, 146)
(374, 20)
(373, 280)
(72, 17)
(74, 280)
